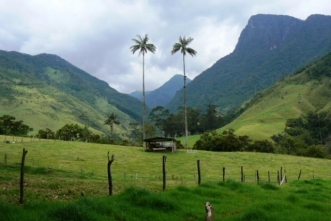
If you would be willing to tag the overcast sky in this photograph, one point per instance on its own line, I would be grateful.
(96, 35)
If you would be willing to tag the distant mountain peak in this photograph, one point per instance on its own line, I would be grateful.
(162, 95)
(265, 32)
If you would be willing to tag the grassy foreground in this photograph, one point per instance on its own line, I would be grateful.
(57, 172)
(298, 200)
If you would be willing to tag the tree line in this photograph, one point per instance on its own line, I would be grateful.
(308, 135)
(170, 124)
(10, 126)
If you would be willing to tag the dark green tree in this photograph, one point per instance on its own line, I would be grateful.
(6, 122)
(212, 119)
(111, 120)
(69, 132)
(135, 132)
(9, 126)
(159, 117)
(46, 133)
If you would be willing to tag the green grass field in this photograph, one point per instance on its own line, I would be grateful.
(57, 172)
(286, 99)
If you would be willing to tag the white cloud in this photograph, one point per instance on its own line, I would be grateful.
(96, 35)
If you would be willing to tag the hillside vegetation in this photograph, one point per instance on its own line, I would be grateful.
(307, 90)
(45, 91)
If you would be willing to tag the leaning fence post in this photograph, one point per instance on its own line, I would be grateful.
(299, 175)
(199, 174)
(22, 177)
(110, 180)
(242, 174)
(257, 176)
(164, 159)
(278, 179)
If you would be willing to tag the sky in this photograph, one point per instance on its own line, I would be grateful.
(96, 35)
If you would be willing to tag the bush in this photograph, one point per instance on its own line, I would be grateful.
(264, 146)
(316, 151)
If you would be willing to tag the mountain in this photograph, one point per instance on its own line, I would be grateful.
(162, 95)
(47, 91)
(269, 48)
(138, 94)
(306, 90)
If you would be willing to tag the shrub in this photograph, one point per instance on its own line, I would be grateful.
(262, 146)
(316, 151)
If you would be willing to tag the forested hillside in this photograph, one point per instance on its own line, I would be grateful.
(307, 92)
(269, 48)
(47, 91)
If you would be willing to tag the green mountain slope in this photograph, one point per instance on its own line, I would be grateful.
(162, 95)
(309, 89)
(269, 48)
(47, 91)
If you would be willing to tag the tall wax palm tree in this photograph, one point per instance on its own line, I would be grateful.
(182, 46)
(143, 47)
(111, 120)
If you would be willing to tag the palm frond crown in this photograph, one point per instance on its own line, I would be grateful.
(111, 119)
(182, 46)
(142, 46)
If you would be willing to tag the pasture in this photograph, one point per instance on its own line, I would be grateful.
(57, 173)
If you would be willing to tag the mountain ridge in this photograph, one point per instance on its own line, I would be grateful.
(37, 75)
(260, 59)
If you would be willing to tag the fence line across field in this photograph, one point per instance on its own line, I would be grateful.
(199, 172)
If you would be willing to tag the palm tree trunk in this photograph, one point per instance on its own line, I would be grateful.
(144, 102)
(185, 109)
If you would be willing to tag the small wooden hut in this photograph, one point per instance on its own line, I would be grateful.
(160, 144)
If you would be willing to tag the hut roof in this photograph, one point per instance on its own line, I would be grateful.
(159, 139)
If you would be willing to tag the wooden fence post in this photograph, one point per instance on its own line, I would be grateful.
(223, 174)
(242, 174)
(22, 177)
(110, 180)
(299, 175)
(257, 176)
(278, 179)
(164, 159)
(199, 174)
(269, 176)
(281, 173)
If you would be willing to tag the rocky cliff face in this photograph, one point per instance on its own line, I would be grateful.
(269, 48)
(265, 32)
